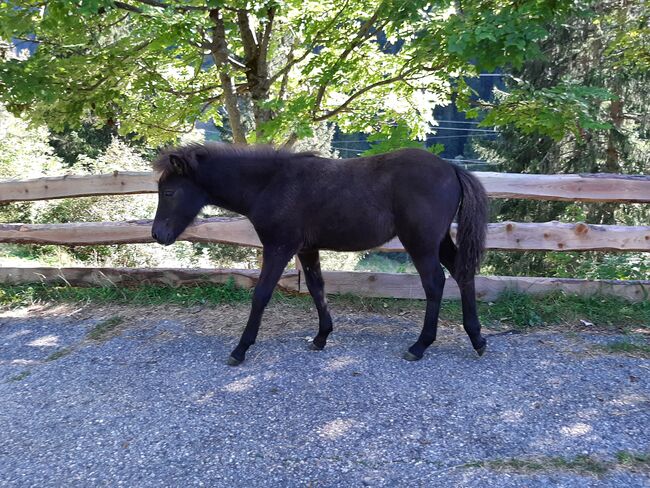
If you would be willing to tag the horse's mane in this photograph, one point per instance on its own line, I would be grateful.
(191, 153)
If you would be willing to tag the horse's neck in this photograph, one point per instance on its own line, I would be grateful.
(237, 186)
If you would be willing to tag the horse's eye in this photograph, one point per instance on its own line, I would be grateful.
(168, 193)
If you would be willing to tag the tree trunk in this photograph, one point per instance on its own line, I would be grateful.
(257, 71)
(612, 163)
(219, 53)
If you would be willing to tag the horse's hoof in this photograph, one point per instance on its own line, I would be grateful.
(409, 356)
(481, 350)
(315, 347)
(233, 361)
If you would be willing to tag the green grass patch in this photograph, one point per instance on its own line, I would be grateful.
(510, 310)
(58, 354)
(20, 376)
(628, 347)
(580, 464)
(558, 308)
(104, 329)
(584, 465)
(632, 460)
(23, 295)
(521, 310)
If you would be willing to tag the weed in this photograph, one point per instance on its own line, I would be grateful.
(559, 308)
(22, 295)
(103, 329)
(627, 347)
(20, 376)
(633, 460)
(585, 465)
(58, 354)
(580, 464)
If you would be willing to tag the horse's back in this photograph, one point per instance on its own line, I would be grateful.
(355, 204)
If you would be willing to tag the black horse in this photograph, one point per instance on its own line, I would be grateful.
(300, 203)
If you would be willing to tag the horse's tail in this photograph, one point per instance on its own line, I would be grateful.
(472, 225)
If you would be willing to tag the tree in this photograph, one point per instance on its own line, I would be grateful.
(595, 79)
(268, 70)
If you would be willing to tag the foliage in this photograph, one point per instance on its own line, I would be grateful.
(26, 153)
(117, 156)
(87, 140)
(587, 265)
(15, 296)
(227, 255)
(386, 263)
(264, 71)
(19, 142)
(585, 84)
(394, 136)
(598, 55)
(553, 112)
(507, 31)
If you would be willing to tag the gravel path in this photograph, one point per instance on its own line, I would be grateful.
(153, 404)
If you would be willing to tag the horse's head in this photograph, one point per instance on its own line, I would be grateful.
(180, 198)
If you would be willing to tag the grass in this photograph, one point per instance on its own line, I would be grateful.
(22, 295)
(633, 460)
(580, 464)
(628, 347)
(20, 376)
(511, 309)
(104, 328)
(58, 354)
(584, 465)
(525, 311)
(559, 308)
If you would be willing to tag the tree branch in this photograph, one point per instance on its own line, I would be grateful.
(166, 129)
(126, 6)
(235, 63)
(247, 36)
(180, 8)
(357, 94)
(293, 61)
(363, 34)
(263, 45)
(291, 140)
(285, 79)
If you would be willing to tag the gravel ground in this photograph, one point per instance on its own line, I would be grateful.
(153, 404)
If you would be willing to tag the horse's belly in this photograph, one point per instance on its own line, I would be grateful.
(351, 235)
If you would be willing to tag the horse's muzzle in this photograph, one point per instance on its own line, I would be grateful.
(164, 238)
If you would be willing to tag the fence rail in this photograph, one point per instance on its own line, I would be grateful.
(512, 236)
(394, 285)
(577, 187)
(549, 236)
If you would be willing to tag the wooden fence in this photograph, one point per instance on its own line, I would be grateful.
(512, 236)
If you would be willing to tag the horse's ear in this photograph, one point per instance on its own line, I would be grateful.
(179, 165)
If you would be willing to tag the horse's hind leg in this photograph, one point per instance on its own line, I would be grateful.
(471, 323)
(311, 268)
(433, 282)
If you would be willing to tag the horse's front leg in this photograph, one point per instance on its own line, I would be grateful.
(275, 259)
